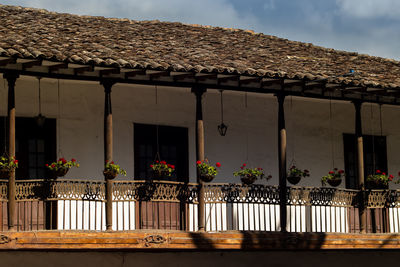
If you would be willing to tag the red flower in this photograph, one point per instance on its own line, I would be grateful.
(198, 162)
(390, 177)
(244, 164)
(331, 172)
(218, 164)
(151, 166)
(241, 167)
(341, 171)
(173, 167)
(112, 162)
(384, 173)
(156, 161)
(16, 161)
(47, 165)
(378, 171)
(53, 165)
(73, 160)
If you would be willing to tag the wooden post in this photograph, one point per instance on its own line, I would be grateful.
(360, 167)
(199, 91)
(282, 160)
(11, 79)
(108, 148)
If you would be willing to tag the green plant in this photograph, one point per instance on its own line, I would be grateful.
(8, 163)
(332, 175)
(256, 172)
(294, 171)
(163, 168)
(204, 168)
(111, 167)
(380, 177)
(62, 163)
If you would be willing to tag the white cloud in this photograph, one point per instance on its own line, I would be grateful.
(370, 8)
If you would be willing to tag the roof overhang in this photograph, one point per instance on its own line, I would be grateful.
(322, 89)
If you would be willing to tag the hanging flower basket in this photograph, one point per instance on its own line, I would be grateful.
(7, 165)
(111, 170)
(109, 175)
(295, 174)
(61, 167)
(335, 182)
(60, 172)
(379, 180)
(334, 178)
(161, 170)
(294, 179)
(249, 175)
(206, 171)
(248, 179)
(206, 178)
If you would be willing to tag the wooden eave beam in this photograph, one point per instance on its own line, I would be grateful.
(225, 78)
(246, 80)
(7, 60)
(23, 65)
(132, 72)
(156, 73)
(180, 75)
(270, 82)
(205, 76)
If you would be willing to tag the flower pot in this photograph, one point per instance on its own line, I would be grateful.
(294, 179)
(334, 182)
(248, 179)
(160, 175)
(5, 173)
(376, 184)
(206, 178)
(109, 175)
(59, 173)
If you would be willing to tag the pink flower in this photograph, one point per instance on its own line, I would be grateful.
(218, 164)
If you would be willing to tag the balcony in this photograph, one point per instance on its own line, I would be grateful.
(141, 205)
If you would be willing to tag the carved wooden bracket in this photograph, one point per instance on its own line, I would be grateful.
(4, 239)
(152, 240)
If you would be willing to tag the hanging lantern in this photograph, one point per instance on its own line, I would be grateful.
(40, 119)
(222, 128)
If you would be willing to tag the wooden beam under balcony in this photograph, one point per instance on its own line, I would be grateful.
(152, 240)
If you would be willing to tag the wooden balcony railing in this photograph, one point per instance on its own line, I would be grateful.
(80, 205)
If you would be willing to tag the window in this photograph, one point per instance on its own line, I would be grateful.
(35, 146)
(173, 148)
(375, 157)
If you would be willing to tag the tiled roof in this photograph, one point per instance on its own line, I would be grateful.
(34, 33)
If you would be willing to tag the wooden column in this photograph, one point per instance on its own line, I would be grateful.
(282, 160)
(199, 91)
(360, 166)
(11, 79)
(108, 148)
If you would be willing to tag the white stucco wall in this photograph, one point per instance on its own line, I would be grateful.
(252, 129)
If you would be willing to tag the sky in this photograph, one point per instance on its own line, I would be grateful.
(364, 26)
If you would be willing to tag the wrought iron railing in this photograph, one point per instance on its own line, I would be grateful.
(80, 205)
